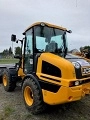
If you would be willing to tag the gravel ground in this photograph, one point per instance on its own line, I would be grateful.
(12, 108)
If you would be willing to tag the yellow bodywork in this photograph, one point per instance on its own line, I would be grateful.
(65, 93)
(20, 71)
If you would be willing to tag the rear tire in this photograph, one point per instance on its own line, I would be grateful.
(8, 84)
(32, 96)
(0, 79)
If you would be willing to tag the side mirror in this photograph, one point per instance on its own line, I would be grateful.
(13, 38)
(69, 31)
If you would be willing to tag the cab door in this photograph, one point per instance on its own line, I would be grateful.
(28, 61)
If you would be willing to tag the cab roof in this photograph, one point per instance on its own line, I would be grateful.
(47, 24)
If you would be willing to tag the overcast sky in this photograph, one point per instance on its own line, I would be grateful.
(17, 15)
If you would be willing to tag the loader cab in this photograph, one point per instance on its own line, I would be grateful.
(41, 38)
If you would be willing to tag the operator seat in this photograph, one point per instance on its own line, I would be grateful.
(51, 47)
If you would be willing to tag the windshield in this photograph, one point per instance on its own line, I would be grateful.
(50, 40)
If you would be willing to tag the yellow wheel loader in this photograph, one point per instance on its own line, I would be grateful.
(48, 74)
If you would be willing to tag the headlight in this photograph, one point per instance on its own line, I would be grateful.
(76, 83)
(76, 64)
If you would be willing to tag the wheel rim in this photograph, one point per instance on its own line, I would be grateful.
(5, 80)
(28, 95)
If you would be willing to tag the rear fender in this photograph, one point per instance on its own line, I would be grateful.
(34, 78)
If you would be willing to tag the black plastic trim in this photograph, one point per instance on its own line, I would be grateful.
(49, 86)
(78, 73)
(50, 69)
(80, 82)
(85, 81)
(85, 76)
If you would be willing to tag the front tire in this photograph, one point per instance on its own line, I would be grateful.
(8, 84)
(32, 96)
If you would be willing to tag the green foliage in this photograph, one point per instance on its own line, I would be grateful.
(8, 61)
(6, 52)
(8, 111)
(86, 47)
(10, 50)
(17, 50)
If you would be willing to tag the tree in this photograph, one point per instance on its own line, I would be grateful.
(10, 51)
(17, 50)
(85, 51)
(86, 47)
(5, 52)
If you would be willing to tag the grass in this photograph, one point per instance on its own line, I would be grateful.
(7, 112)
(8, 61)
(28, 116)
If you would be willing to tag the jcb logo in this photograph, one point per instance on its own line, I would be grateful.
(86, 70)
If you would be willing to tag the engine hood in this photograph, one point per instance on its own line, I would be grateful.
(80, 60)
